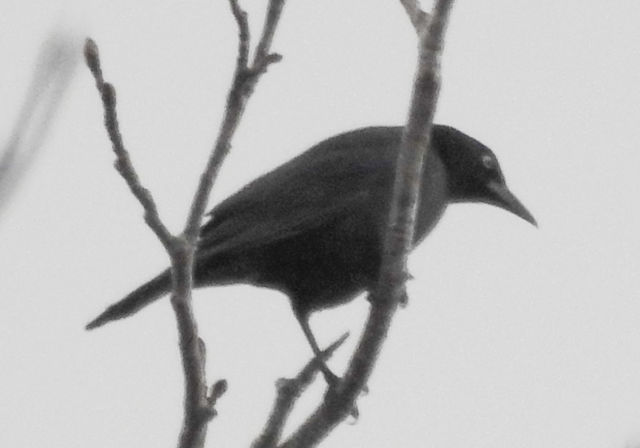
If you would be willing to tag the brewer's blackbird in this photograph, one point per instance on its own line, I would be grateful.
(313, 227)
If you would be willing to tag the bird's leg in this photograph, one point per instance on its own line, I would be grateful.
(331, 378)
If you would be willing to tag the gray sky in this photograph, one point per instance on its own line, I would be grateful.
(513, 336)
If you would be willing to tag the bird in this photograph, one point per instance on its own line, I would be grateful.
(313, 227)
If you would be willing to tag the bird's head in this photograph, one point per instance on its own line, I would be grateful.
(473, 172)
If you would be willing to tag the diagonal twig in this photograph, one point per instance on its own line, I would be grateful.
(288, 393)
(244, 80)
(123, 161)
(418, 17)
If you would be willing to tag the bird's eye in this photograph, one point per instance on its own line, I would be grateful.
(488, 162)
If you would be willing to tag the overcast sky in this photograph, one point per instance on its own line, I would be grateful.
(514, 337)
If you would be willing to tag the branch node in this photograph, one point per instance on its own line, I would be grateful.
(218, 389)
(288, 391)
(108, 95)
(208, 413)
(284, 385)
(199, 406)
(261, 65)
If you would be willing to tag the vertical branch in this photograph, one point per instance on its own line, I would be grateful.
(199, 402)
(198, 405)
(390, 288)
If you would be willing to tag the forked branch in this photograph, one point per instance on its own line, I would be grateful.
(244, 80)
(288, 393)
(200, 400)
(418, 17)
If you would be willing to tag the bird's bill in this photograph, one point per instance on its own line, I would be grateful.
(503, 198)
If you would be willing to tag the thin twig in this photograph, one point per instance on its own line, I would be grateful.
(390, 288)
(244, 37)
(245, 79)
(288, 393)
(418, 17)
(199, 402)
(198, 410)
(123, 161)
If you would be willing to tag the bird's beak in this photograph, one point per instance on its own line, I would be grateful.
(503, 198)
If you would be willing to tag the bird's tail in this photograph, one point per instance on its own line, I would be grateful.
(136, 300)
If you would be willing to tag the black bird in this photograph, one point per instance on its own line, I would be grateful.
(313, 227)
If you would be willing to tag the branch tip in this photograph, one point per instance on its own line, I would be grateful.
(239, 13)
(282, 384)
(272, 58)
(200, 399)
(92, 57)
(218, 389)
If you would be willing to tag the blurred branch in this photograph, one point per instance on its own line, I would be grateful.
(398, 240)
(52, 74)
(288, 393)
(418, 17)
(199, 402)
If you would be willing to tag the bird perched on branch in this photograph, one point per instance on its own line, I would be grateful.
(313, 227)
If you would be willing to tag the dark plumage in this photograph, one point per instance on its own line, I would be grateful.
(312, 228)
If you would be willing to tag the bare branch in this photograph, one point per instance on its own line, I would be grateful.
(418, 17)
(274, 11)
(288, 393)
(217, 390)
(123, 161)
(53, 72)
(245, 79)
(244, 37)
(390, 288)
(199, 403)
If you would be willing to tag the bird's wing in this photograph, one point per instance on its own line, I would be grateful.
(309, 191)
